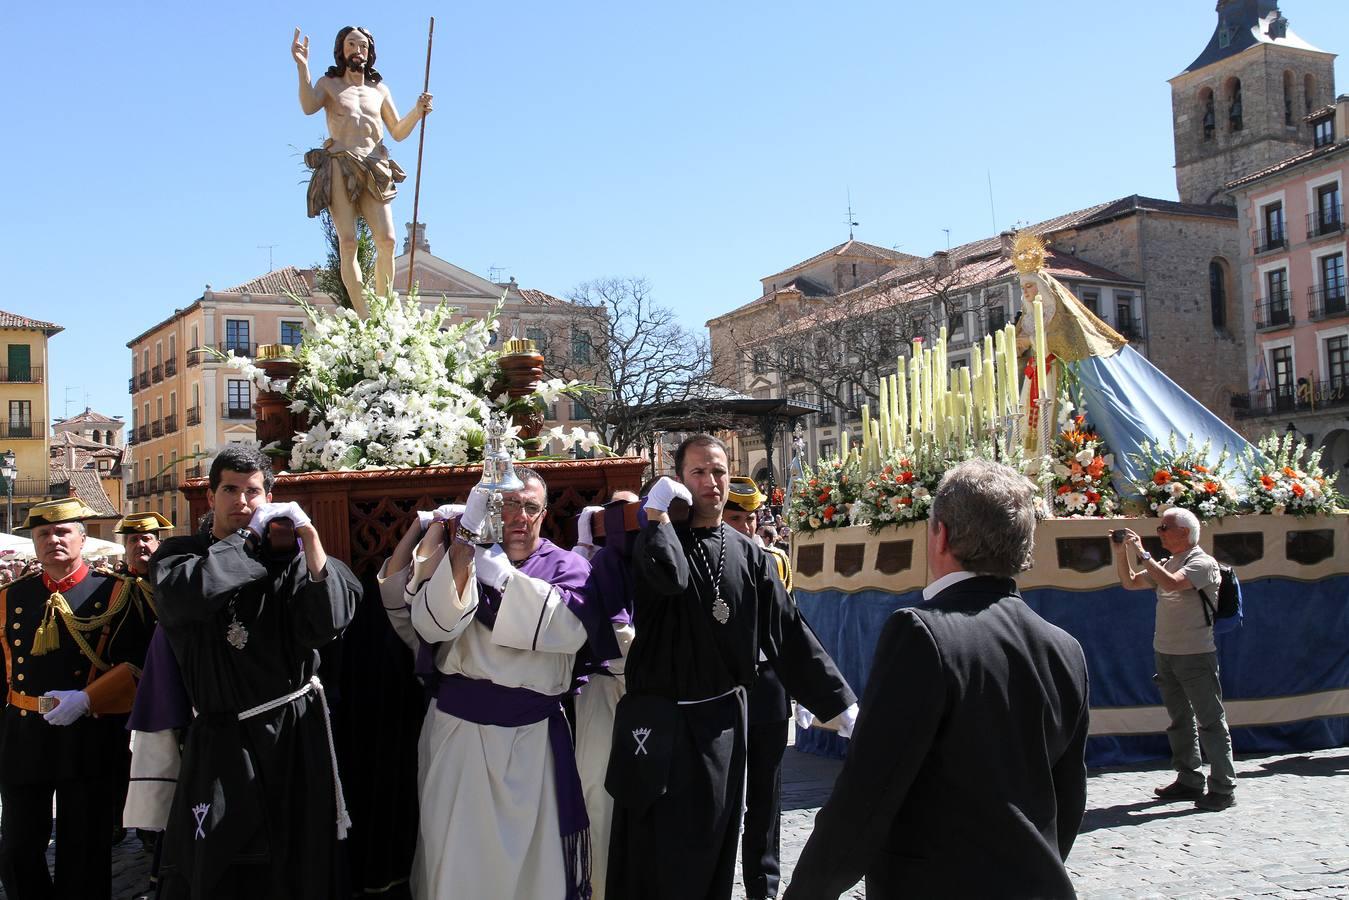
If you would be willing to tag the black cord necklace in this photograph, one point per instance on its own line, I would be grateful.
(720, 610)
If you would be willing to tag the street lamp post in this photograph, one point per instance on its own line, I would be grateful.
(9, 468)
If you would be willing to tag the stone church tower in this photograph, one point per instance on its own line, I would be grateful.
(1240, 106)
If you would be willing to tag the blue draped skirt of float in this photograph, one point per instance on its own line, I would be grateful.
(1292, 644)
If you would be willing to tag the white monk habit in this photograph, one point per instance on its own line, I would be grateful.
(489, 821)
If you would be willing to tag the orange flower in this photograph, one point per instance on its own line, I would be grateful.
(828, 513)
(1076, 468)
(1079, 419)
(1161, 477)
(1093, 497)
(823, 497)
(905, 477)
(1298, 489)
(814, 482)
(1187, 473)
(1266, 482)
(1201, 469)
(1289, 472)
(888, 470)
(1211, 487)
(1096, 467)
(1065, 488)
(906, 501)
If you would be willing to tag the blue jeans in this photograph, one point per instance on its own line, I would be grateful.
(1194, 699)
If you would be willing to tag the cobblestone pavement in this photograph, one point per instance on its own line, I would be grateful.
(1288, 835)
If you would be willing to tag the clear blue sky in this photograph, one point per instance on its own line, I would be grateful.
(701, 144)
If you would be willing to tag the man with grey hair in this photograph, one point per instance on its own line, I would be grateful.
(75, 642)
(971, 740)
(1186, 656)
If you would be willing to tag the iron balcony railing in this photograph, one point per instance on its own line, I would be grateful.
(19, 430)
(21, 374)
(31, 487)
(1329, 394)
(1130, 328)
(170, 424)
(157, 374)
(194, 415)
(193, 358)
(1274, 312)
(143, 379)
(228, 411)
(193, 472)
(157, 428)
(1268, 240)
(131, 385)
(1323, 222)
(240, 348)
(1327, 301)
(170, 366)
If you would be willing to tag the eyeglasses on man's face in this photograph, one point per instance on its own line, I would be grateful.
(529, 509)
(1166, 526)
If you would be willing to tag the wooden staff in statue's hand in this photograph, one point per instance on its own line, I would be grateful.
(353, 174)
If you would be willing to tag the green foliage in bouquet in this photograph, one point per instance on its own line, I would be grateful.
(1289, 479)
(1179, 477)
(823, 495)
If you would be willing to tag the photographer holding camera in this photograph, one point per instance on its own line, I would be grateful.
(1186, 657)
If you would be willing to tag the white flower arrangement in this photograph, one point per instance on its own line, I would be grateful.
(397, 389)
(1179, 477)
(1283, 483)
(1078, 472)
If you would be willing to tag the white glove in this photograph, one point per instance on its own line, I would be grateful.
(71, 706)
(492, 567)
(442, 513)
(266, 512)
(804, 717)
(846, 720)
(585, 536)
(475, 509)
(663, 492)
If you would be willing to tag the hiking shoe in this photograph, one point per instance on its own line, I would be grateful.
(1215, 802)
(1177, 791)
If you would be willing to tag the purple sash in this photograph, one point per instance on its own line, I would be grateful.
(487, 703)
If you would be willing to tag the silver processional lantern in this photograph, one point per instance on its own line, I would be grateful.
(498, 477)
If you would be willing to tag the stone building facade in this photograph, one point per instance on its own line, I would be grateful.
(1241, 105)
(1171, 275)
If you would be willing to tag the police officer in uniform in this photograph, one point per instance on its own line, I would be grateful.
(74, 641)
(769, 710)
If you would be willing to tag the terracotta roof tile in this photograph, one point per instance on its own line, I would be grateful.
(287, 280)
(850, 248)
(91, 417)
(914, 266)
(1289, 163)
(87, 487)
(534, 297)
(14, 320)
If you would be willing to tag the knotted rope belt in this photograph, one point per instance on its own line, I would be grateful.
(313, 685)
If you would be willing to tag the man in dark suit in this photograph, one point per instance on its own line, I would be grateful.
(965, 777)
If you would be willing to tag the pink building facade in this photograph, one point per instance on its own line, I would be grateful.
(1293, 278)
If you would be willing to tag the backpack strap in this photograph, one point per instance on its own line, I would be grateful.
(1210, 609)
